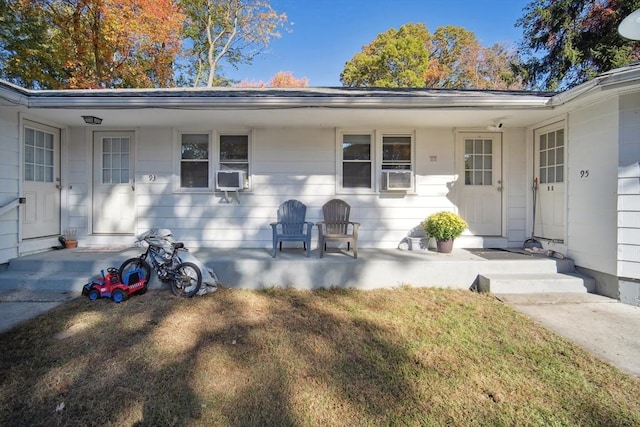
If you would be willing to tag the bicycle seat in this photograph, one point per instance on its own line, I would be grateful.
(178, 245)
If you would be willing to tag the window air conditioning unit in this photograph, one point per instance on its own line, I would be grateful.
(395, 179)
(231, 180)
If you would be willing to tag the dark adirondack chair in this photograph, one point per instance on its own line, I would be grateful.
(291, 226)
(336, 226)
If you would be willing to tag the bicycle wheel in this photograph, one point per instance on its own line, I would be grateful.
(133, 263)
(186, 280)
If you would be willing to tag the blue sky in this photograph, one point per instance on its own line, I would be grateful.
(327, 33)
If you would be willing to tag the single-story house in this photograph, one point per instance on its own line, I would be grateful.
(114, 163)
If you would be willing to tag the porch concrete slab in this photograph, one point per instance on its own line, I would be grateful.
(603, 326)
(249, 268)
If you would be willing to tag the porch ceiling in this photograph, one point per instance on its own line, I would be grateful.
(298, 117)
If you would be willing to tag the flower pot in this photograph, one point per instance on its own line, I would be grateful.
(445, 246)
(71, 244)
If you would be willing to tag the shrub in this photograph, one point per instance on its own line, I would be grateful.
(444, 225)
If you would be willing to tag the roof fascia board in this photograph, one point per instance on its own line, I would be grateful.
(621, 79)
(248, 102)
(14, 94)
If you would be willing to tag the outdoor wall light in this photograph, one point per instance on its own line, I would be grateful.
(92, 120)
(629, 28)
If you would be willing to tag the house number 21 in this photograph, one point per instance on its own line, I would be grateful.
(584, 173)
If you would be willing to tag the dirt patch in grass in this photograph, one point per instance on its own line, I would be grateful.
(284, 357)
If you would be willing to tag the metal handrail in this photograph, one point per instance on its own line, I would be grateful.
(13, 204)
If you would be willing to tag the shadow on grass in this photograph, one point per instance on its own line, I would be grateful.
(280, 357)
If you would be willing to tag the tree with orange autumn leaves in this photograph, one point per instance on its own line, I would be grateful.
(279, 80)
(53, 44)
(90, 43)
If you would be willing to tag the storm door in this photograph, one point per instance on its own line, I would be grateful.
(41, 181)
(480, 182)
(550, 174)
(114, 210)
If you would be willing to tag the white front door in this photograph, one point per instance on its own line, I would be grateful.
(113, 183)
(550, 173)
(480, 182)
(41, 181)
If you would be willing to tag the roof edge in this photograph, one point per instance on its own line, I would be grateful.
(611, 79)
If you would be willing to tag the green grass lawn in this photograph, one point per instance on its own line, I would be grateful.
(304, 358)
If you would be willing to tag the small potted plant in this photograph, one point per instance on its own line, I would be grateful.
(69, 238)
(445, 227)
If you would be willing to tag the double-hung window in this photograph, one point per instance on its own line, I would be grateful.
(234, 154)
(357, 161)
(397, 163)
(194, 160)
(396, 152)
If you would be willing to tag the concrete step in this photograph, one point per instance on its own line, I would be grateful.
(71, 261)
(531, 283)
(73, 282)
(44, 281)
(63, 270)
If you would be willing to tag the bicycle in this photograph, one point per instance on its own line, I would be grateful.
(185, 278)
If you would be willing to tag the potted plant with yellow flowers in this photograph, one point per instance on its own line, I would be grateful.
(445, 227)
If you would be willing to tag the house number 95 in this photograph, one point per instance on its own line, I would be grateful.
(152, 178)
(584, 173)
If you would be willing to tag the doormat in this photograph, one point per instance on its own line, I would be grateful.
(101, 249)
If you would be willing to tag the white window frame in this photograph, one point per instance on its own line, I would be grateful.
(340, 162)
(217, 162)
(178, 162)
(381, 163)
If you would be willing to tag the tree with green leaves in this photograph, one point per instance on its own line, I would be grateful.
(567, 42)
(451, 58)
(395, 58)
(226, 31)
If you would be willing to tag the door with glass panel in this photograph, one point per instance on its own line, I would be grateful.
(41, 181)
(114, 210)
(550, 171)
(480, 182)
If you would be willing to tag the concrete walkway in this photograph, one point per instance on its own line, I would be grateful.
(603, 326)
(17, 306)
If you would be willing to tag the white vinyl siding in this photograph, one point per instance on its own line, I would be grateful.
(629, 188)
(591, 196)
(9, 181)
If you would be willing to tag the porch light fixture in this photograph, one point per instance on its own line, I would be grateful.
(629, 28)
(92, 120)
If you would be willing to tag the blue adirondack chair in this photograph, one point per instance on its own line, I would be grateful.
(291, 226)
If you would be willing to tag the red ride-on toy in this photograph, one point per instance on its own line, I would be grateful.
(110, 286)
